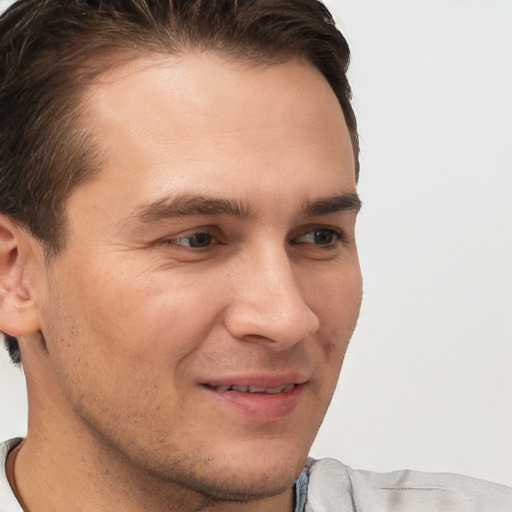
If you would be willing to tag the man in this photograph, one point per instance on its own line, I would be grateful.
(179, 274)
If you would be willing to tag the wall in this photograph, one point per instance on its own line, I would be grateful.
(427, 382)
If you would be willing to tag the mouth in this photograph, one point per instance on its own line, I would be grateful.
(254, 389)
(260, 402)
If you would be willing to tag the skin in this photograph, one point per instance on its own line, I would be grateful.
(163, 292)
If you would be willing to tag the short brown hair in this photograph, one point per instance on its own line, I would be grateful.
(50, 50)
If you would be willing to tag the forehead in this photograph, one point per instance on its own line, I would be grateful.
(198, 120)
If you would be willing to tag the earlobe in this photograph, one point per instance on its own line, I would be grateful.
(18, 314)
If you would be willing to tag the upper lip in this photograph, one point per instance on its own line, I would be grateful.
(269, 380)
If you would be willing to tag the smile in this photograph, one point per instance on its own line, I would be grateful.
(257, 402)
(256, 389)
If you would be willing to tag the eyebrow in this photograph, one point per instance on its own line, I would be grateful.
(185, 205)
(188, 205)
(334, 204)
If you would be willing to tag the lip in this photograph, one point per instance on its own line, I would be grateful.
(257, 380)
(259, 407)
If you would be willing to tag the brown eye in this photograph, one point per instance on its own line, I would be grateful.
(200, 240)
(324, 236)
(197, 240)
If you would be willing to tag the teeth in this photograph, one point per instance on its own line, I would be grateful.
(282, 389)
(256, 389)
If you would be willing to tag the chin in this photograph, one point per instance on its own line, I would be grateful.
(242, 485)
(260, 473)
(240, 473)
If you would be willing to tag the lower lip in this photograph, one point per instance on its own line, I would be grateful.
(260, 407)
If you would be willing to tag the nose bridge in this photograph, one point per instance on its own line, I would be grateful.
(268, 304)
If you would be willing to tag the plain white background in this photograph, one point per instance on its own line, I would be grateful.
(427, 381)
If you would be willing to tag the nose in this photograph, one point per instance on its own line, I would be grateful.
(268, 306)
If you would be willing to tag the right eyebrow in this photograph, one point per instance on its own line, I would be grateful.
(187, 205)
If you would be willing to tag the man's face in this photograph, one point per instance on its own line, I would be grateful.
(198, 317)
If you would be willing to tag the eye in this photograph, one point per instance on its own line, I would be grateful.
(195, 240)
(323, 236)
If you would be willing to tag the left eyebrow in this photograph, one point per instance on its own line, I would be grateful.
(333, 204)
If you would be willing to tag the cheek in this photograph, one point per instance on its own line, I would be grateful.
(128, 324)
(138, 315)
(336, 299)
(337, 306)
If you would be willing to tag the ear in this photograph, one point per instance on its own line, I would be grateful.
(18, 312)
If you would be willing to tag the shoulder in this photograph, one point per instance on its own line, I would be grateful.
(335, 487)
(8, 502)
